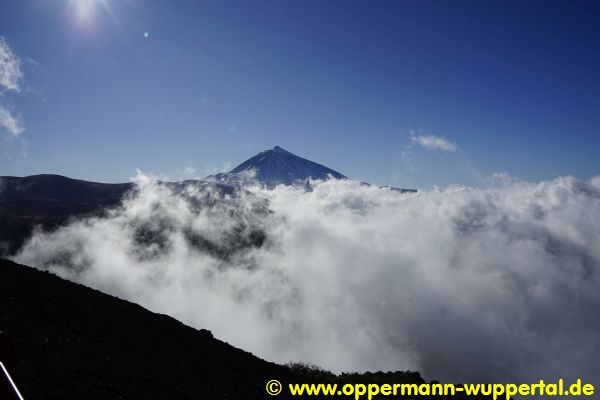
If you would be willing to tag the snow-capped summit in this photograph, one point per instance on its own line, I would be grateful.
(276, 167)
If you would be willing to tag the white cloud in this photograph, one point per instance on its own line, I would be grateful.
(225, 167)
(433, 142)
(10, 75)
(12, 124)
(10, 68)
(187, 172)
(462, 284)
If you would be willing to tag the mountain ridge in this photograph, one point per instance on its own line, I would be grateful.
(272, 167)
(49, 201)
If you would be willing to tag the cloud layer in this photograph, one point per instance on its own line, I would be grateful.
(433, 142)
(461, 284)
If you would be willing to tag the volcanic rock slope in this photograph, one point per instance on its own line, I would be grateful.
(75, 343)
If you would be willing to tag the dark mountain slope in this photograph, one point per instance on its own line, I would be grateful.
(48, 201)
(73, 342)
(56, 195)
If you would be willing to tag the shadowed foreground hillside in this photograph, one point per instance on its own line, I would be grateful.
(72, 342)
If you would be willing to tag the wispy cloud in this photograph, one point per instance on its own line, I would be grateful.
(12, 124)
(433, 142)
(225, 167)
(10, 68)
(10, 77)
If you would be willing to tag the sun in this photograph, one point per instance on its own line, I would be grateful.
(85, 10)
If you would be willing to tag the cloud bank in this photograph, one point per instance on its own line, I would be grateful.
(432, 142)
(461, 284)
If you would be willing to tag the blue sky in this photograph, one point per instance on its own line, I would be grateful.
(406, 93)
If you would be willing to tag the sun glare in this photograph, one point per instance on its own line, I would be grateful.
(85, 10)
